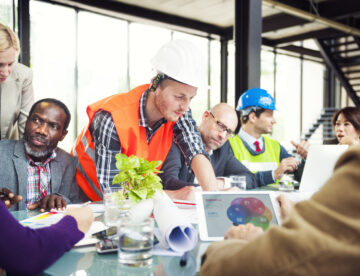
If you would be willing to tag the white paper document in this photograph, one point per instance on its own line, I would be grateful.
(177, 232)
(95, 207)
(95, 227)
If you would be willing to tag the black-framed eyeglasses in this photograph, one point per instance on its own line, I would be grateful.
(221, 127)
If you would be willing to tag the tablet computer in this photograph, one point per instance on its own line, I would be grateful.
(218, 211)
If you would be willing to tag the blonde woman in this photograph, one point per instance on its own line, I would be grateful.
(16, 88)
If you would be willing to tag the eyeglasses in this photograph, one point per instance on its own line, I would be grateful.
(221, 127)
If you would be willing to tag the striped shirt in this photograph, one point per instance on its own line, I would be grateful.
(38, 179)
(107, 143)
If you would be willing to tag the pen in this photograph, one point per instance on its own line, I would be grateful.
(86, 203)
(183, 259)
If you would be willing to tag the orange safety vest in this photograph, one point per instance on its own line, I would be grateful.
(124, 109)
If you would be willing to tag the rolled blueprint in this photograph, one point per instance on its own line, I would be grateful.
(177, 233)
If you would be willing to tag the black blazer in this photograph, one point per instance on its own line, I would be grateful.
(177, 175)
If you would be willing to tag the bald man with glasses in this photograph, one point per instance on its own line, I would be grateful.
(217, 126)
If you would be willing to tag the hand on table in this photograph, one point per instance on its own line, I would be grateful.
(8, 197)
(246, 232)
(185, 193)
(231, 189)
(286, 205)
(83, 216)
(49, 202)
(220, 182)
(289, 164)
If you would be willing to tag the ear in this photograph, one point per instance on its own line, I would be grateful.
(205, 115)
(252, 117)
(63, 135)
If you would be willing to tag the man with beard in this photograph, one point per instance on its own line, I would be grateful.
(145, 121)
(258, 152)
(34, 168)
(217, 125)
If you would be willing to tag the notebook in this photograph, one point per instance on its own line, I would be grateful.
(319, 166)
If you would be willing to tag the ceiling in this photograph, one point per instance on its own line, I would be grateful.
(215, 18)
(287, 25)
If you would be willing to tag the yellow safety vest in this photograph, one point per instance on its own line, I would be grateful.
(268, 160)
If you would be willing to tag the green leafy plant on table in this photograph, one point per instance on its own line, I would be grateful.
(137, 176)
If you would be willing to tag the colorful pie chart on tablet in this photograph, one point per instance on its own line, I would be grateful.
(244, 210)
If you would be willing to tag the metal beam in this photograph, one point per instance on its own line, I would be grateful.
(337, 71)
(352, 71)
(247, 38)
(224, 71)
(299, 4)
(324, 33)
(346, 51)
(302, 50)
(334, 9)
(329, 9)
(329, 88)
(24, 31)
(348, 62)
(281, 21)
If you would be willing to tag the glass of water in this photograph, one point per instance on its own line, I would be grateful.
(135, 242)
(286, 183)
(238, 181)
(114, 208)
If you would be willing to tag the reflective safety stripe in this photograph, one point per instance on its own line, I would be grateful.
(88, 149)
(84, 156)
(261, 166)
(81, 176)
(265, 161)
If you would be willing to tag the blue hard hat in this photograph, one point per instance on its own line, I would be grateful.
(256, 97)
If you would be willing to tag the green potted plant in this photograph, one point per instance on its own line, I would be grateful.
(139, 182)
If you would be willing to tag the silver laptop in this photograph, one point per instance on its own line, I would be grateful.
(319, 166)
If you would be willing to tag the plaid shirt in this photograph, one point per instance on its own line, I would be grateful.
(39, 179)
(107, 143)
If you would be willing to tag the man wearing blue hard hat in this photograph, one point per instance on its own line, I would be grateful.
(258, 152)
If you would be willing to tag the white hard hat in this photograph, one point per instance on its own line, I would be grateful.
(180, 60)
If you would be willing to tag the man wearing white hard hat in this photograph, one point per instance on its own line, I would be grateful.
(145, 121)
(258, 152)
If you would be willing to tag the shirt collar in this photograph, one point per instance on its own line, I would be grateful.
(142, 111)
(47, 161)
(248, 138)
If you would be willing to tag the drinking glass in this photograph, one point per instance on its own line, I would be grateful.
(114, 208)
(238, 181)
(135, 242)
(286, 183)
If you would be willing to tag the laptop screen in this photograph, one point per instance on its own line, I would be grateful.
(319, 166)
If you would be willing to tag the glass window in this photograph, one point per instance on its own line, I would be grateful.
(215, 72)
(267, 71)
(231, 75)
(102, 60)
(287, 100)
(144, 42)
(6, 13)
(200, 103)
(313, 93)
(52, 38)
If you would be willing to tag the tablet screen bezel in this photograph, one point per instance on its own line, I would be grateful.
(203, 229)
